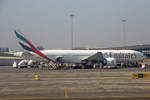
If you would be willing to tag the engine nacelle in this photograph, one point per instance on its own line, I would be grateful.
(59, 59)
(110, 61)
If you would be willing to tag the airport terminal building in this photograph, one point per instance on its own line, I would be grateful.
(4, 50)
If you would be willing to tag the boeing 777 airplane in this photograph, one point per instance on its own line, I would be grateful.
(84, 57)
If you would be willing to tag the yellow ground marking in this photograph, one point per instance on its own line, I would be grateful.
(66, 93)
(78, 97)
(11, 58)
(141, 75)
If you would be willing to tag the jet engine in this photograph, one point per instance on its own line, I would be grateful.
(110, 61)
(59, 59)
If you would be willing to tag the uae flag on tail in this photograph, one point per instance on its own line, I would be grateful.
(27, 45)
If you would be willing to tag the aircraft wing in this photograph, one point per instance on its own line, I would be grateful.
(98, 57)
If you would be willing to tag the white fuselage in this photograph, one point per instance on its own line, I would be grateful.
(76, 56)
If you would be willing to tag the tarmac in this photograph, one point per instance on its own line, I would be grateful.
(80, 84)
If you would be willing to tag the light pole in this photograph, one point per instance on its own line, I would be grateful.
(72, 40)
(124, 31)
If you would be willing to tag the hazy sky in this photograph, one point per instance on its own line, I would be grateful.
(47, 22)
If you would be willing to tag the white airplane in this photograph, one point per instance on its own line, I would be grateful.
(84, 57)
